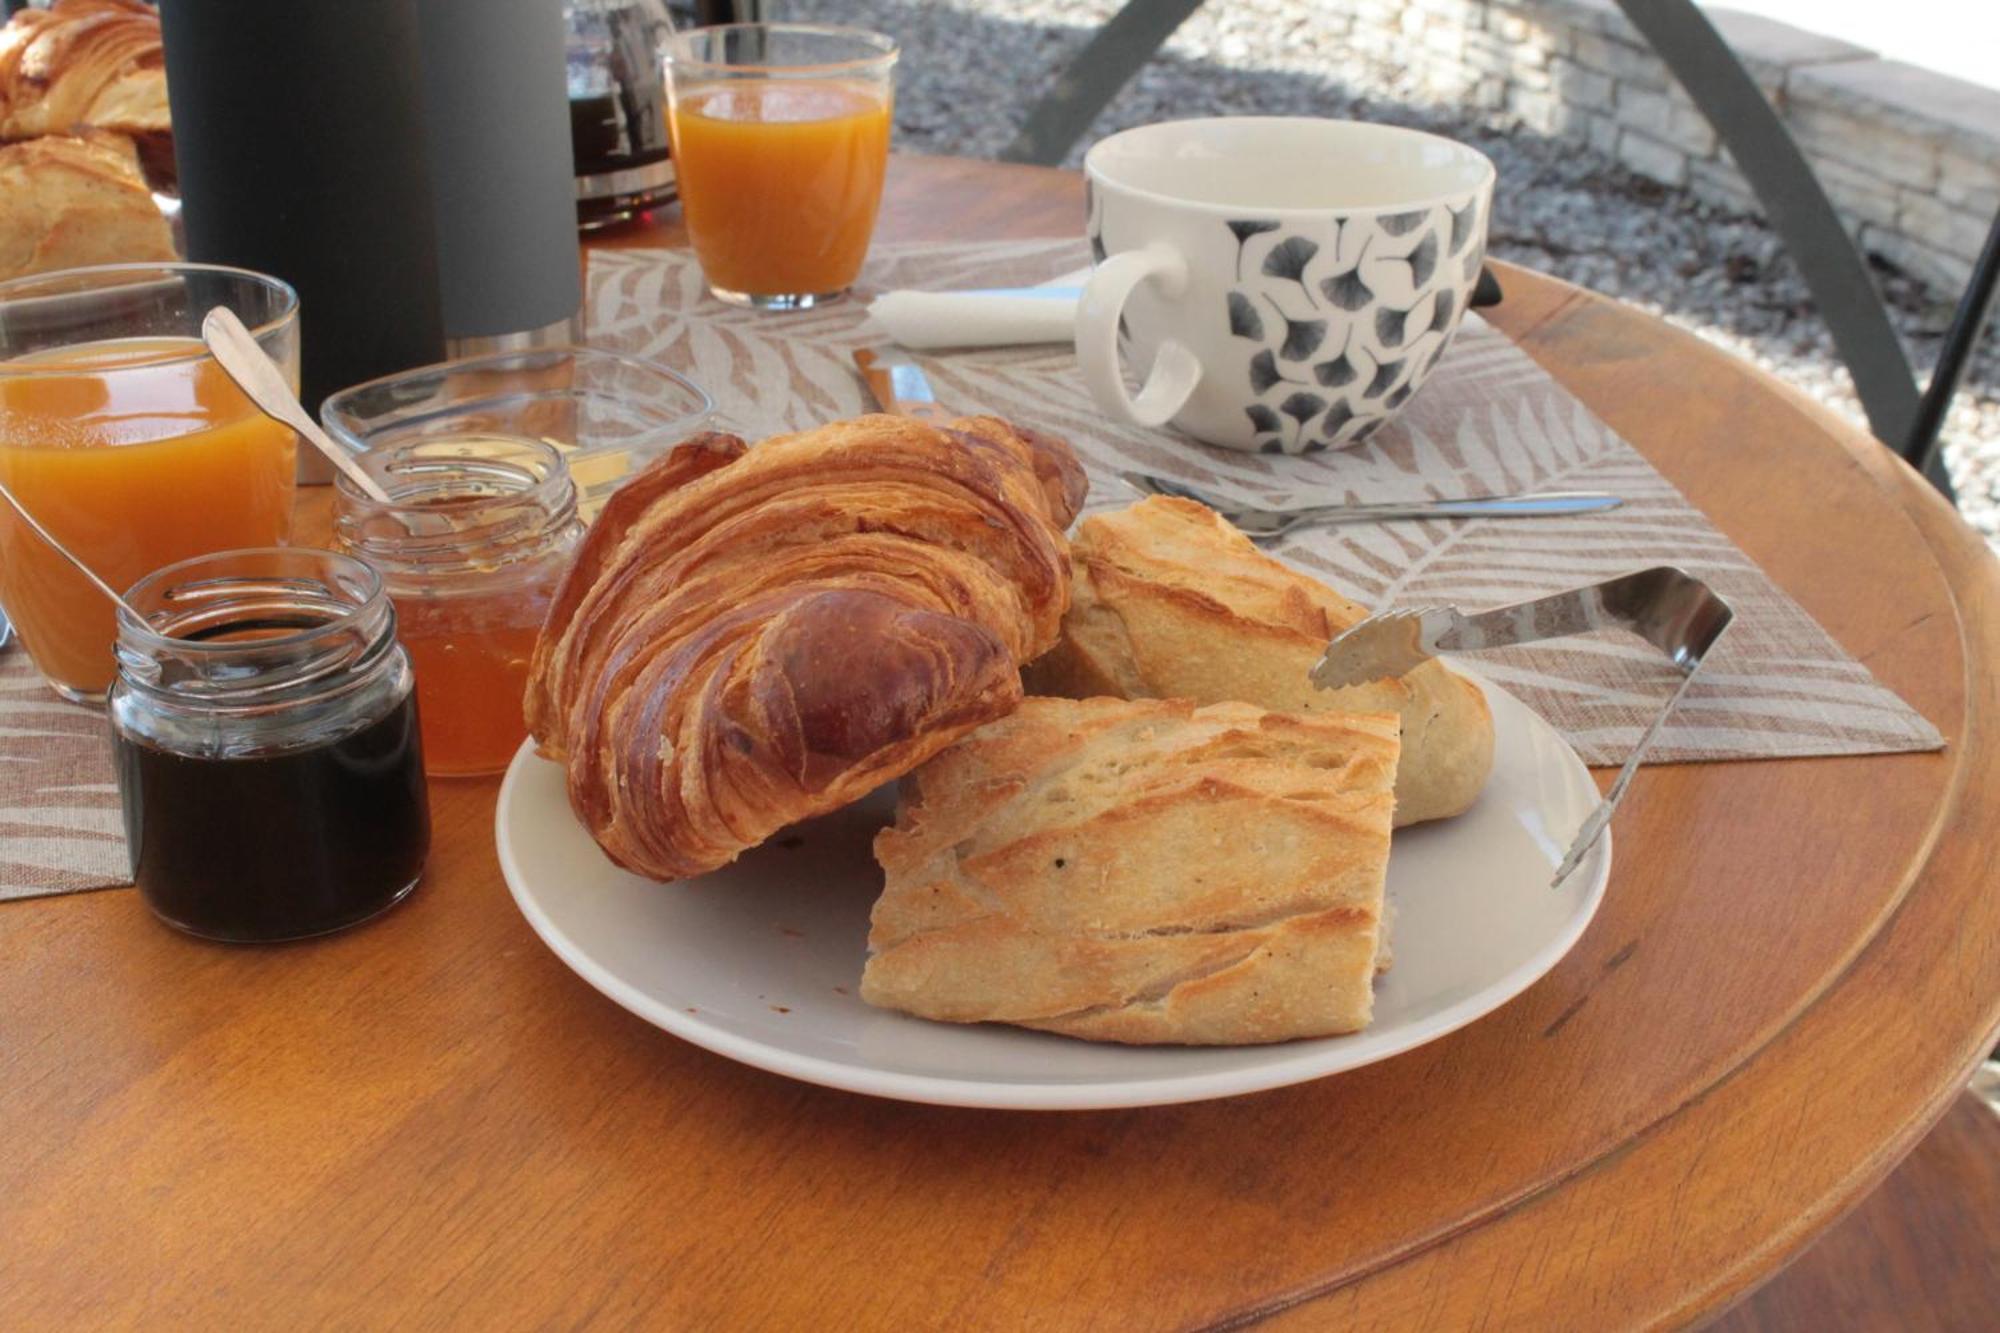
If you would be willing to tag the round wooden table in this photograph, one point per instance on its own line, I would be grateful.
(431, 1120)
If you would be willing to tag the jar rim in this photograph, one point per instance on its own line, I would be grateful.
(144, 632)
(457, 510)
(323, 626)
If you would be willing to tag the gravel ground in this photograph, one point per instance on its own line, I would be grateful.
(971, 68)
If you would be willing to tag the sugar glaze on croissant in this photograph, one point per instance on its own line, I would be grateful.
(753, 636)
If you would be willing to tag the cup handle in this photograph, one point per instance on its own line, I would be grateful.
(1176, 370)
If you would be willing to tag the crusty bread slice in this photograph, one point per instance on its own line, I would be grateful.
(1141, 871)
(71, 200)
(1170, 601)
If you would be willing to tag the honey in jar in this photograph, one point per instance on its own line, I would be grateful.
(476, 535)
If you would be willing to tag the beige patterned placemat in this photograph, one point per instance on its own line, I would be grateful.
(59, 824)
(1489, 421)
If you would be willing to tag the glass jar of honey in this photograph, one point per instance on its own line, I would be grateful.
(265, 736)
(475, 536)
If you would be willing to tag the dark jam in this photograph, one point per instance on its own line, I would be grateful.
(278, 846)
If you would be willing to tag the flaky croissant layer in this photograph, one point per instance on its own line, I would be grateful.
(750, 637)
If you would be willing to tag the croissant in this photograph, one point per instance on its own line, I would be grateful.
(83, 62)
(749, 637)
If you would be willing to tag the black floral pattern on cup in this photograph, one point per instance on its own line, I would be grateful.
(1346, 318)
(1340, 320)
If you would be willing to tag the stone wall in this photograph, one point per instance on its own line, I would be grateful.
(1910, 158)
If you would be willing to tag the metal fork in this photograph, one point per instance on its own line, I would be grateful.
(1672, 610)
(1263, 524)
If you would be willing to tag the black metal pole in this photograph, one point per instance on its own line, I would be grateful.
(1954, 355)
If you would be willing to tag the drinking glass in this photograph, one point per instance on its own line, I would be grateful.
(125, 439)
(781, 137)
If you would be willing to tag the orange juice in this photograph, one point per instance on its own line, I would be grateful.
(133, 454)
(780, 180)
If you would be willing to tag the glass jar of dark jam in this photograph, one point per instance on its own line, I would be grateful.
(264, 728)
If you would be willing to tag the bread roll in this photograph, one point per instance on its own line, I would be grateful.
(1170, 601)
(749, 637)
(1143, 871)
(83, 63)
(68, 201)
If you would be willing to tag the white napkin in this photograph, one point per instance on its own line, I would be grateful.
(986, 318)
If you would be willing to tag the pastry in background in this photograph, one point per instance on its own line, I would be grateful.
(70, 200)
(750, 637)
(83, 62)
(1141, 871)
(1170, 601)
(88, 63)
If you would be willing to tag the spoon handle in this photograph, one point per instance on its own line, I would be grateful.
(67, 554)
(263, 383)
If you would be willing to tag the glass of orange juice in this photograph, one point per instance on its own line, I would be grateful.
(780, 137)
(125, 439)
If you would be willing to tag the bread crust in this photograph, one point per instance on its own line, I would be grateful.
(749, 637)
(83, 63)
(1170, 601)
(71, 200)
(1141, 871)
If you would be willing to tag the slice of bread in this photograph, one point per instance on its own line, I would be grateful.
(1142, 871)
(1169, 601)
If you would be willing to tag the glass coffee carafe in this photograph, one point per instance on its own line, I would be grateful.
(618, 108)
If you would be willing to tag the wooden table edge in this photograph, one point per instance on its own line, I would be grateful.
(1970, 571)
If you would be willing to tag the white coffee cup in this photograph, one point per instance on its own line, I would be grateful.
(1289, 281)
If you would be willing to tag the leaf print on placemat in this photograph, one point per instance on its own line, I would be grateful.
(1488, 420)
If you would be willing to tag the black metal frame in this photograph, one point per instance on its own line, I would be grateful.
(1794, 201)
(1835, 270)
(1120, 50)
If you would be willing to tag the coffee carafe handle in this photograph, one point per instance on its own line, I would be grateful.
(1176, 370)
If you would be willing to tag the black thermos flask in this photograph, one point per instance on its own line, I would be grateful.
(300, 141)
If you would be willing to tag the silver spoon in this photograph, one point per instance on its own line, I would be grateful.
(67, 554)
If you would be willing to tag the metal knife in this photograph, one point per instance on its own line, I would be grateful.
(899, 385)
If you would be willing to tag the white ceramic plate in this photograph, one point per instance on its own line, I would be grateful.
(761, 961)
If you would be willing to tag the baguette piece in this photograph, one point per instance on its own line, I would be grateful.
(1170, 601)
(67, 201)
(1141, 871)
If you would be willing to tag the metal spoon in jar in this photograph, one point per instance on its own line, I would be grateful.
(263, 383)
